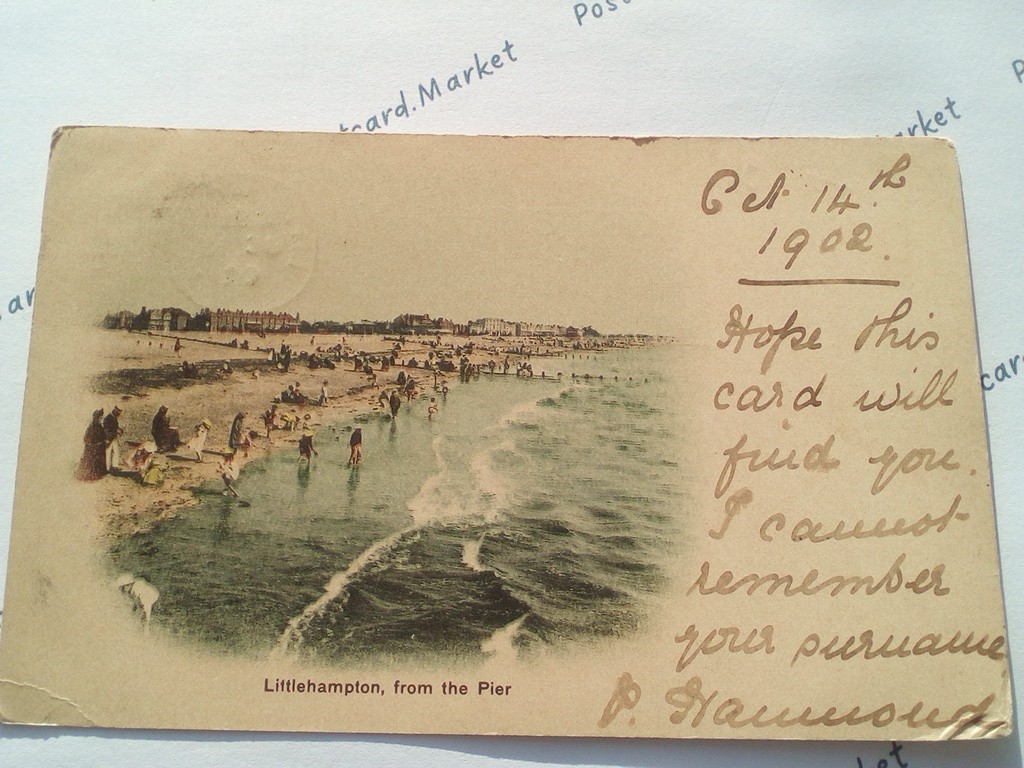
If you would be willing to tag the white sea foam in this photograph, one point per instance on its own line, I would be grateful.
(490, 490)
(517, 412)
(429, 502)
(452, 493)
(501, 645)
(471, 553)
(292, 636)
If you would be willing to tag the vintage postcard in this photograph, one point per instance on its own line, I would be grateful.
(665, 437)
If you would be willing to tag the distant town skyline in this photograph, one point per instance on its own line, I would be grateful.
(219, 319)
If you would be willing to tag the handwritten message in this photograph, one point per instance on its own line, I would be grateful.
(847, 484)
(890, 355)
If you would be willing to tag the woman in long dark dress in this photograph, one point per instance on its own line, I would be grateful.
(238, 439)
(166, 437)
(93, 465)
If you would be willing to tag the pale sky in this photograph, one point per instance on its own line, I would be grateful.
(539, 230)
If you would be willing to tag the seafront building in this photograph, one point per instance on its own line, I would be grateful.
(261, 322)
(240, 321)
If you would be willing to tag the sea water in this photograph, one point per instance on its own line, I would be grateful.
(526, 513)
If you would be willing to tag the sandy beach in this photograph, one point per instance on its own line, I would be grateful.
(145, 373)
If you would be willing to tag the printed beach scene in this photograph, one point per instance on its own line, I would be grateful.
(428, 491)
(403, 418)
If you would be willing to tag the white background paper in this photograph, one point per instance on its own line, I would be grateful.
(650, 67)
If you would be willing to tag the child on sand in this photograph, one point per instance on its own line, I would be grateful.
(198, 441)
(432, 408)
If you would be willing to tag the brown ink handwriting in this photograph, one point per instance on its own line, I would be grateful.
(934, 393)
(733, 506)
(817, 458)
(755, 398)
(886, 178)
(917, 458)
(889, 331)
(867, 646)
(625, 696)
(811, 531)
(692, 705)
(711, 206)
(722, 638)
(738, 330)
(891, 582)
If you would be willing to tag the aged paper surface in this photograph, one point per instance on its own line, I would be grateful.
(569, 436)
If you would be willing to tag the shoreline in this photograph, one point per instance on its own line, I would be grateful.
(254, 381)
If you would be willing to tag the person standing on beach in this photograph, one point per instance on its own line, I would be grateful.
(93, 465)
(356, 447)
(270, 419)
(432, 408)
(395, 402)
(237, 439)
(323, 393)
(177, 347)
(306, 449)
(112, 432)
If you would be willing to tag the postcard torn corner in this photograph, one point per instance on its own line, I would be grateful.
(29, 704)
(991, 719)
